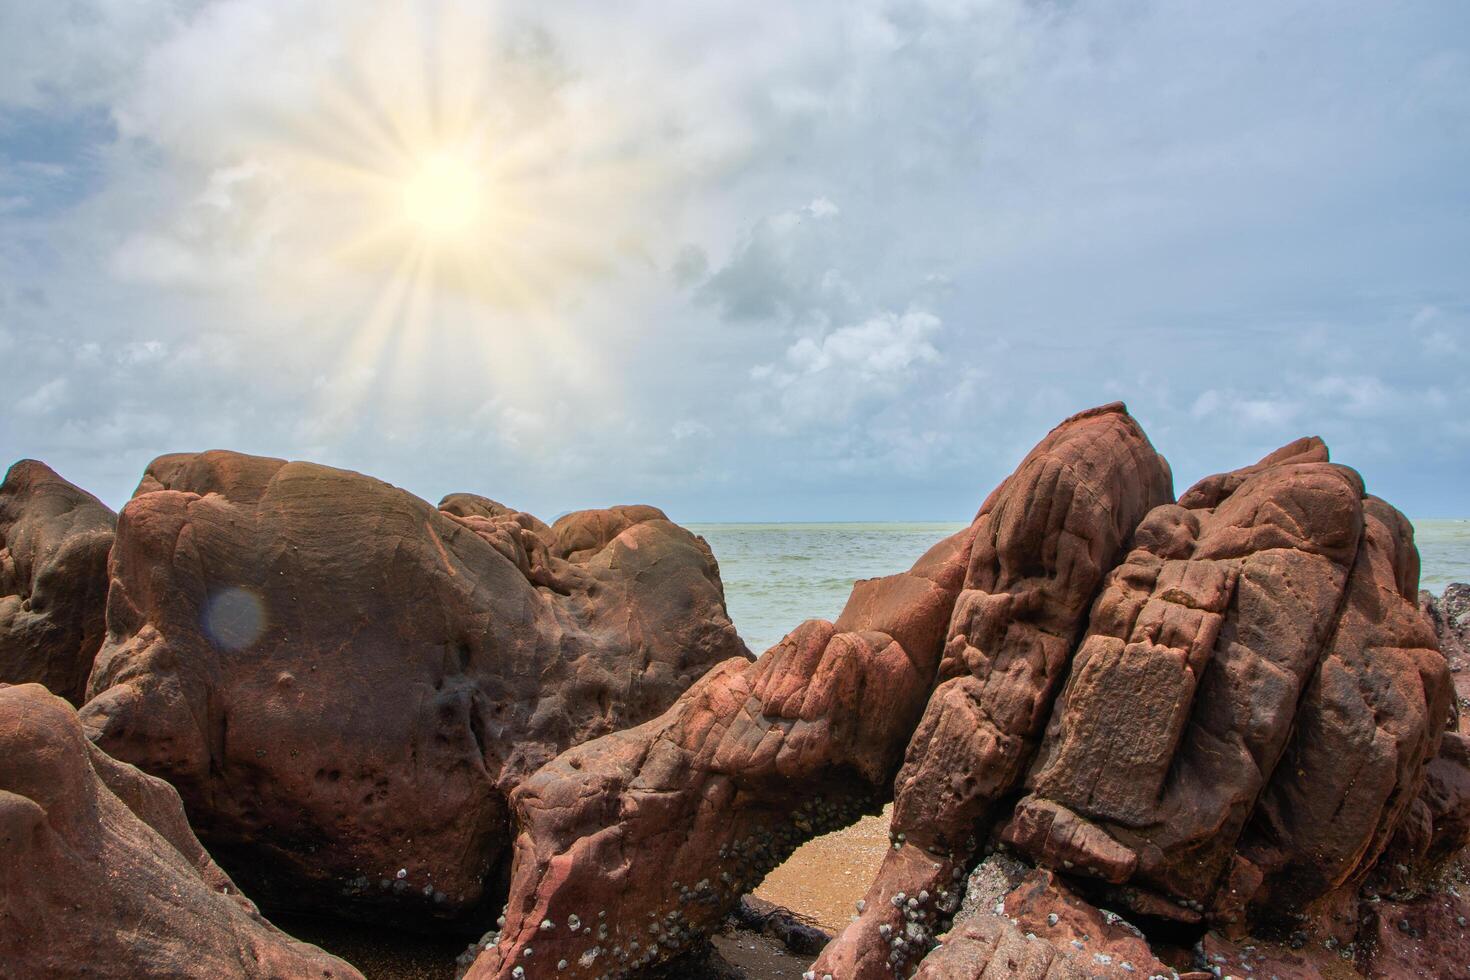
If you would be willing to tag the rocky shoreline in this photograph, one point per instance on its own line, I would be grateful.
(1123, 734)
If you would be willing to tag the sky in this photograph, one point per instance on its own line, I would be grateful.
(823, 261)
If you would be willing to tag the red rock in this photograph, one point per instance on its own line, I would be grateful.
(1206, 664)
(345, 684)
(647, 838)
(101, 875)
(1365, 729)
(1041, 928)
(1044, 540)
(1254, 958)
(1427, 938)
(54, 540)
(756, 759)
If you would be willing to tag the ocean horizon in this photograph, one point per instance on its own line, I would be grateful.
(779, 573)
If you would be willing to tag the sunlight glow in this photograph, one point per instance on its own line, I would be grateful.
(448, 188)
(444, 198)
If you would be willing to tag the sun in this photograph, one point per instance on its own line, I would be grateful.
(444, 198)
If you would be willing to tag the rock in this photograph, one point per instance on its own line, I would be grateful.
(1366, 728)
(1450, 616)
(345, 684)
(54, 540)
(1044, 541)
(1254, 703)
(1425, 938)
(101, 875)
(1254, 958)
(1041, 928)
(756, 759)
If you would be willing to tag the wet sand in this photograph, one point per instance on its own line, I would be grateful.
(827, 875)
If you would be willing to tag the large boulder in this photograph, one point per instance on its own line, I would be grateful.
(54, 540)
(100, 875)
(345, 683)
(633, 847)
(1253, 709)
(1044, 542)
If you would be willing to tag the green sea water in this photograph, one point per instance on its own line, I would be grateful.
(777, 575)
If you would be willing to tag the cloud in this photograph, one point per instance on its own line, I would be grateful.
(45, 399)
(831, 377)
(828, 259)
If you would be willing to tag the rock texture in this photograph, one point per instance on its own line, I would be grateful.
(1044, 541)
(1039, 928)
(757, 758)
(1449, 614)
(54, 540)
(1254, 705)
(345, 683)
(101, 876)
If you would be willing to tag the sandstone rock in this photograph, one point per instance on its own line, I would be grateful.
(1254, 704)
(101, 876)
(1041, 928)
(1248, 958)
(1427, 938)
(1044, 541)
(54, 540)
(1367, 726)
(757, 758)
(345, 684)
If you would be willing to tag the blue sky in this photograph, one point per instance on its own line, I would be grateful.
(767, 262)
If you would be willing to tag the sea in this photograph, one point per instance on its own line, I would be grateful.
(777, 575)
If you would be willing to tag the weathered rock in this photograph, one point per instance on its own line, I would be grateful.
(755, 759)
(345, 683)
(1252, 958)
(1427, 938)
(1449, 614)
(1367, 726)
(100, 875)
(1044, 541)
(1254, 704)
(1041, 928)
(54, 540)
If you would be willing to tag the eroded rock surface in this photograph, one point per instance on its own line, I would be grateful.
(757, 758)
(100, 875)
(1039, 928)
(345, 683)
(54, 541)
(1254, 704)
(1043, 542)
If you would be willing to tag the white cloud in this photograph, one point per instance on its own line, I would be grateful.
(1243, 232)
(45, 399)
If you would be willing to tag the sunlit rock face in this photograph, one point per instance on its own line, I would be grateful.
(649, 836)
(101, 876)
(1215, 715)
(345, 682)
(54, 541)
(1255, 714)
